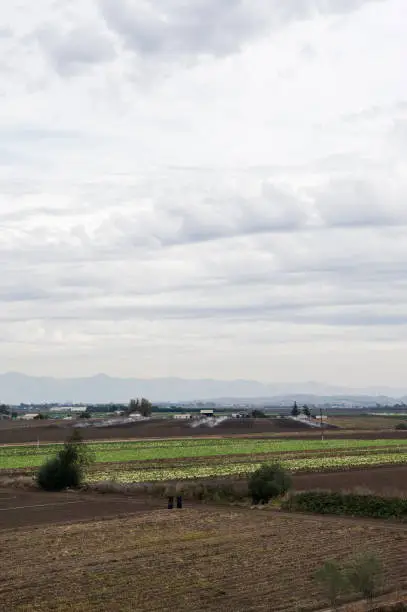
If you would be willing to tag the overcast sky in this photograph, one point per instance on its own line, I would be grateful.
(204, 189)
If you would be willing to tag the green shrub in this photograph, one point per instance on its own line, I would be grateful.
(66, 470)
(402, 426)
(366, 575)
(333, 579)
(325, 502)
(56, 475)
(362, 576)
(259, 414)
(269, 481)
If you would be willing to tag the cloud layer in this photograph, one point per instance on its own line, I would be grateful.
(204, 189)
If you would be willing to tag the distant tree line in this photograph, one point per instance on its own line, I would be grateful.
(6, 410)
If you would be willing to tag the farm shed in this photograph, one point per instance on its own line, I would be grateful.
(29, 416)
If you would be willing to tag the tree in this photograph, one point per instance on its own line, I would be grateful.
(333, 580)
(306, 410)
(4, 409)
(134, 406)
(146, 407)
(295, 410)
(66, 469)
(41, 416)
(258, 414)
(268, 481)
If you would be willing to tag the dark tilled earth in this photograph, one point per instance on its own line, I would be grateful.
(21, 508)
(383, 480)
(20, 433)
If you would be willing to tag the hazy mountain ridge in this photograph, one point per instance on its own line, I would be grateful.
(16, 388)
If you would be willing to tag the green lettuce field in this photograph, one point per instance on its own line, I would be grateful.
(193, 458)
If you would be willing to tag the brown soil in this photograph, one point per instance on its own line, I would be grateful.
(386, 480)
(19, 508)
(57, 431)
(196, 559)
(389, 481)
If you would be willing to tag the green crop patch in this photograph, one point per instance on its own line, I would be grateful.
(370, 452)
(230, 468)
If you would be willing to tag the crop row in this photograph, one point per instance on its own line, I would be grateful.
(31, 456)
(253, 457)
(235, 444)
(216, 460)
(229, 469)
(147, 460)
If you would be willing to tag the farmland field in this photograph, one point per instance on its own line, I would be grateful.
(368, 422)
(26, 456)
(18, 432)
(195, 559)
(196, 458)
(224, 468)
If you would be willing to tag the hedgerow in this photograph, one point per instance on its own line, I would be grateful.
(325, 502)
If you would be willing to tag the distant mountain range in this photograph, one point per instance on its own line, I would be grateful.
(16, 388)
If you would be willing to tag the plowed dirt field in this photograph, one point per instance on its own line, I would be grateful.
(204, 559)
(19, 432)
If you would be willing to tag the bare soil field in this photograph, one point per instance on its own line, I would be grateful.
(192, 559)
(57, 431)
(19, 508)
(367, 422)
(387, 480)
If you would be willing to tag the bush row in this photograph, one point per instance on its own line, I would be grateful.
(325, 502)
(192, 490)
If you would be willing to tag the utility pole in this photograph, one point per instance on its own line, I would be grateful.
(322, 424)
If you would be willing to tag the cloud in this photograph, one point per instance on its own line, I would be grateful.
(75, 49)
(220, 221)
(6, 33)
(377, 112)
(171, 29)
(362, 203)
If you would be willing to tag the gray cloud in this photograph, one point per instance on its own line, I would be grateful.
(72, 51)
(274, 211)
(6, 33)
(172, 29)
(225, 221)
(358, 203)
(175, 29)
(27, 134)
